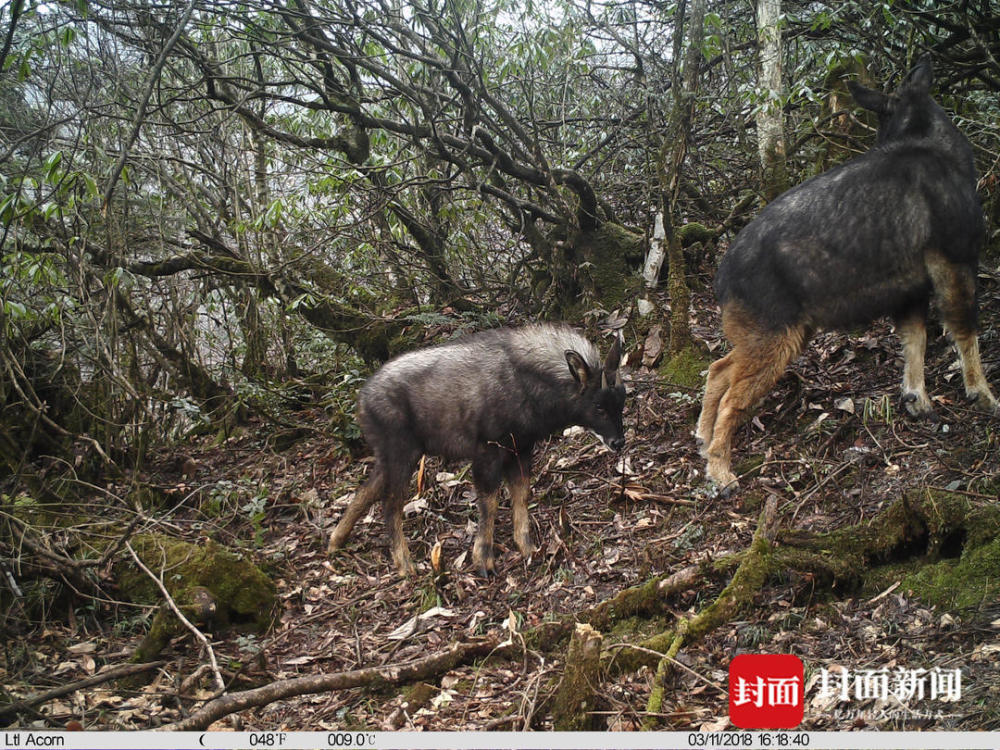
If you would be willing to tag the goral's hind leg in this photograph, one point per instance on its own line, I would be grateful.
(715, 388)
(759, 358)
(955, 286)
(912, 331)
(977, 390)
(367, 494)
(398, 480)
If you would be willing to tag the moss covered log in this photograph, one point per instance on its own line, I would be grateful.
(206, 581)
(943, 546)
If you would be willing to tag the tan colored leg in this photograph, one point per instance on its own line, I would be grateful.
(367, 494)
(976, 387)
(397, 541)
(715, 388)
(482, 550)
(520, 495)
(955, 286)
(912, 331)
(759, 358)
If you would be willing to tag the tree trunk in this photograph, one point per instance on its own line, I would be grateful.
(189, 374)
(654, 263)
(770, 128)
(254, 338)
(672, 159)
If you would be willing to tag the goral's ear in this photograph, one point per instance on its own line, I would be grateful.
(609, 375)
(870, 99)
(578, 368)
(921, 76)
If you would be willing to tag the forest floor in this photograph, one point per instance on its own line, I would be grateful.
(835, 450)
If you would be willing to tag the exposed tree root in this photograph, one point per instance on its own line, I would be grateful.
(747, 581)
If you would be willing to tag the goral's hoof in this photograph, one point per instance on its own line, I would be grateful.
(723, 488)
(919, 408)
(984, 402)
(485, 564)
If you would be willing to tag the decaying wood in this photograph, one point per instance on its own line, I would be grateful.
(577, 696)
(920, 521)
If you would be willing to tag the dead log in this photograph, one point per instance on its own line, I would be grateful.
(577, 696)
(945, 541)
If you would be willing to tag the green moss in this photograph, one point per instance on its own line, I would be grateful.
(970, 578)
(611, 256)
(418, 695)
(961, 584)
(31, 512)
(638, 628)
(577, 702)
(936, 543)
(243, 595)
(695, 232)
(685, 368)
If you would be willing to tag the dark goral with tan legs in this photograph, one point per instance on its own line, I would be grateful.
(878, 235)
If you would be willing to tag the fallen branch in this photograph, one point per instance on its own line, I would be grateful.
(647, 598)
(125, 670)
(375, 677)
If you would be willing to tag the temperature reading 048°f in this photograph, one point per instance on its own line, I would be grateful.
(267, 739)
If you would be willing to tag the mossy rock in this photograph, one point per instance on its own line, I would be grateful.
(612, 255)
(685, 368)
(210, 584)
(695, 232)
